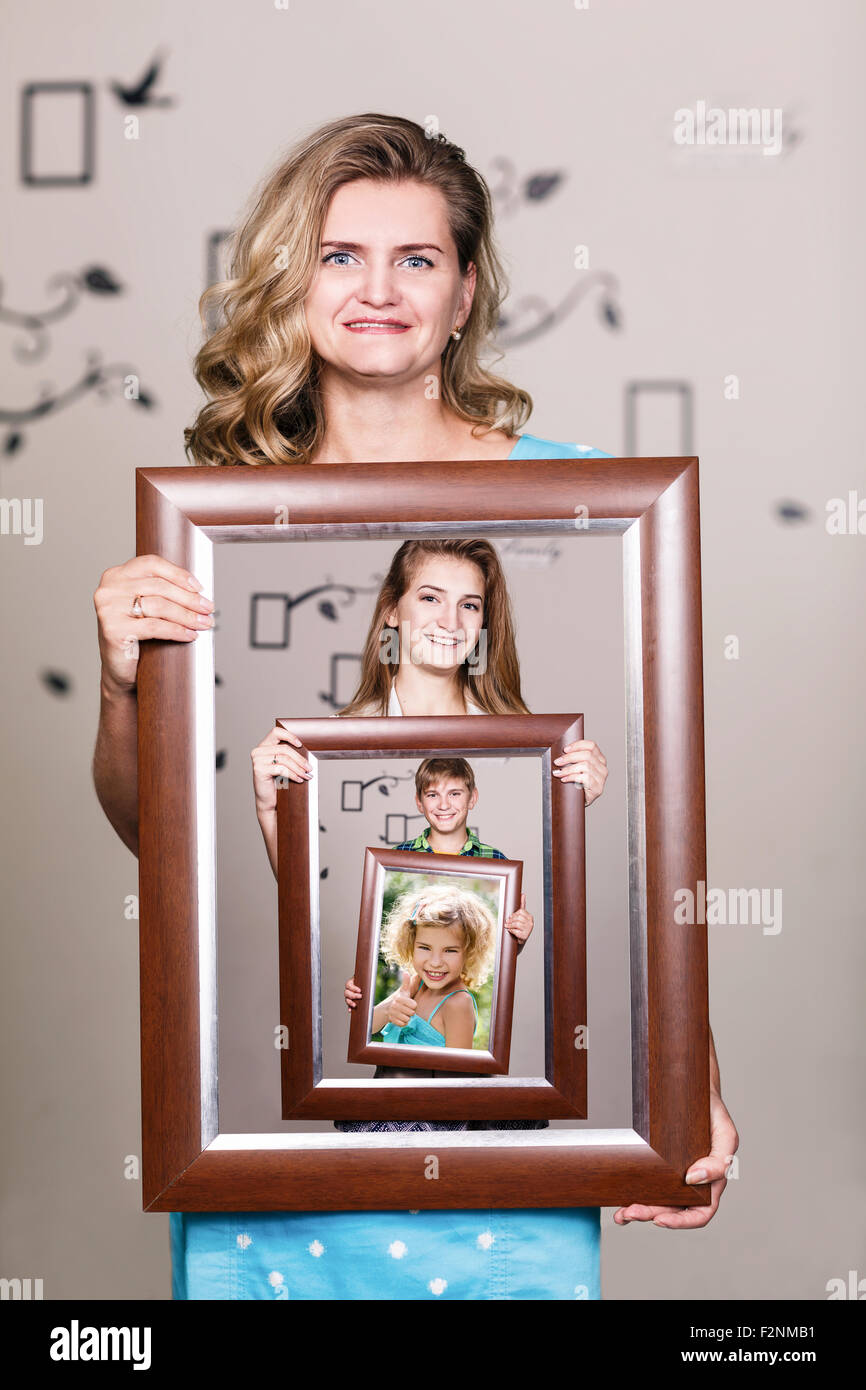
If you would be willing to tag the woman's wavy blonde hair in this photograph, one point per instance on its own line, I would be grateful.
(259, 368)
(442, 906)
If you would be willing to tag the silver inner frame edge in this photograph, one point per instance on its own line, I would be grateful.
(205, 803)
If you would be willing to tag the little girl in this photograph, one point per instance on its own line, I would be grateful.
(444, 940)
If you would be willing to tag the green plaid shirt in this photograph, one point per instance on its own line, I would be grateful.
(472, 846)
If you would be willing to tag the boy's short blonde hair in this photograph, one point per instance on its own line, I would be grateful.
(442, 906)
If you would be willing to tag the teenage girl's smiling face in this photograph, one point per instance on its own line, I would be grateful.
(388, 290)
(441, 613)
(446, 803)
(439, 955)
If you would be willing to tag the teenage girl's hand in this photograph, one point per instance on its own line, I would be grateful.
(173, 608)
(401, 1005)
(520, 922)
(351, 994)
(276, 757)
(585, 763)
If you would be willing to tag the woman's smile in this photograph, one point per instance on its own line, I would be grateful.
(371, 325)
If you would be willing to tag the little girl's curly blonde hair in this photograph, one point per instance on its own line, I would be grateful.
(443, 906)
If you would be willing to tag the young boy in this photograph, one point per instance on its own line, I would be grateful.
(445, 793)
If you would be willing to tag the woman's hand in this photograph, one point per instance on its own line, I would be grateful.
(172, 605)
(351, 994)
(585, 763)
(401, 1005)
(275, 757)
(520, 922)
(724, 1142)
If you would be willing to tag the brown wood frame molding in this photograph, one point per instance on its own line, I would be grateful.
(561, 1092)
(490, 1061)
(653, 503)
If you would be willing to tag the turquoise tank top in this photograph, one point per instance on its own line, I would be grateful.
(420, 1031)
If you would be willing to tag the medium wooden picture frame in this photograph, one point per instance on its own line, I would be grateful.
(187, 1164)
(561, 1092)
(493, 1060)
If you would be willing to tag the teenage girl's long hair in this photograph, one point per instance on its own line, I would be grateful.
(496, 689)
(259, 368)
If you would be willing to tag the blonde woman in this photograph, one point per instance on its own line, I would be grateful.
(364, 289)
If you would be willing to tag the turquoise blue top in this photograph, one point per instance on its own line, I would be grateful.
(424, 1256)
(420, 1031)
(530, 446)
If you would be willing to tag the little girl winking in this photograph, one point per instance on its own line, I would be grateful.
(444, 940)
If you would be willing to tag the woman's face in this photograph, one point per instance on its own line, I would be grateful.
(439, 955)
(441, 615)
(388, 290)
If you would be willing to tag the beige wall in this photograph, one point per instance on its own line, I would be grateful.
(725, 262)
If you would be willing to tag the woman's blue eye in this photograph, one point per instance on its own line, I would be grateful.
(331, 254)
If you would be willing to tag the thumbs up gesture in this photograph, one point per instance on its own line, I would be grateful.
(401, 1005)
(520, 923)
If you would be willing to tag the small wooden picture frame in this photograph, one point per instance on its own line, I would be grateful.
(481, 1094)
(505, 876)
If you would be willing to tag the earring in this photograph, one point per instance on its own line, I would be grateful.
(456, 334)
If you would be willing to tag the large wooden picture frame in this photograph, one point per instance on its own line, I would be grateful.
(561, 1092)
(188, 1165)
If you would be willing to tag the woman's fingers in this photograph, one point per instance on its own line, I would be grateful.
(584, 763)
(268, 760)
(712, 1168)
(583, 745)
(278, 755)
(172, 610)
(161, 602)
(161, 595)
(145, 566)
(286, 763)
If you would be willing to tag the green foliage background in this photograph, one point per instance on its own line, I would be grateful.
(388, 977)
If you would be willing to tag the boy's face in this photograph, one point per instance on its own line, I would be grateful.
(446, 803)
